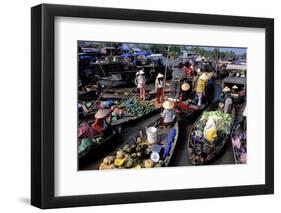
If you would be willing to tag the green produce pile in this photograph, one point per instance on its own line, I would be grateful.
(223, 122)
(136, 107)
(135, 155)
(87, 144)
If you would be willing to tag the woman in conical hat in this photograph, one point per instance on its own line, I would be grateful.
(140, 82)
(100, 124)
(159, 86)
(168, 115)
(226, 89)
(185, 91)
(235, 87)
(200, 87)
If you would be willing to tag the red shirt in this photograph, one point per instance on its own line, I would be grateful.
(99, 125)
(187, 71)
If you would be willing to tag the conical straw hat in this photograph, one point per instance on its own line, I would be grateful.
(204, 77)
(101, 113)
(234, 87)
(226, 89)
(168, 105)
(160, 75)
(185, 86)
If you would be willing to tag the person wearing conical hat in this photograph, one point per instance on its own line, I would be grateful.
(226, 89)
(234, 89)
(168, 115)
(159, 86)
(200, 87)
(100, 125)
(185, 91)
(140, 82)
(226, 99)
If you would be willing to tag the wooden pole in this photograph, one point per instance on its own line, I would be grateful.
(102, 93)
(165, 75)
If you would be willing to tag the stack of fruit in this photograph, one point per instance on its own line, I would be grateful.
(136, 155)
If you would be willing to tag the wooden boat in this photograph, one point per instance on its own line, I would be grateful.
(191, 111)
(239, 97)
(128, 118)
(99, 145)
(239, 141)
(199, 150)
(139, 151)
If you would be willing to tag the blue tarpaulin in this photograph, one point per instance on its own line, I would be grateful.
(124, 47)
(145, 53)
(126, 55)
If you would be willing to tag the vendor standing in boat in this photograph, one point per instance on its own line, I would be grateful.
(159, 85)
(168, 115)
(235, 90)
(200, 88)
(227, 99)
(101, 124)
(140, 81)
(184, 92)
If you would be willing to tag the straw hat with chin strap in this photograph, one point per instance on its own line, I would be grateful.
(101, 113)
(185, 87)
(204, 77)
(234, 87)
(226, 89)
(160, 75)
(168, 105)
(141, 72)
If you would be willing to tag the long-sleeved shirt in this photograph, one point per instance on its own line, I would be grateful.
(168, 115)
(140, 81)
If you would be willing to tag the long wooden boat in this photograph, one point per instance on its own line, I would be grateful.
(239, 141)
(199, 150)
(128, 118)
(137, 151)
(97, 146)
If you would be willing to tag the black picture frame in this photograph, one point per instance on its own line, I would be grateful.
(43, 117)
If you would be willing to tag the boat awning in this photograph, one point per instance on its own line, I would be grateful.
(236, 67)
(235, 80)
(144, 53)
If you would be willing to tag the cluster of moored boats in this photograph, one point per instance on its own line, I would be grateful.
(154, 145)
(138, 152)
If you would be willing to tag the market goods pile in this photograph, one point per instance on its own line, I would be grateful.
(87, 144)
(223, 122)
(136, 155)
(200, 149)
(136, 107)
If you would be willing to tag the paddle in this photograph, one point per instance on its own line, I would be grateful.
(100, 96)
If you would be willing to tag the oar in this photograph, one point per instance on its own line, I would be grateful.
(119, 102)
(100, 96)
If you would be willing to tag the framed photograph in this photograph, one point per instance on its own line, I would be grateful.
(140, 106)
